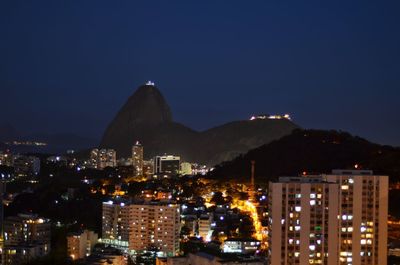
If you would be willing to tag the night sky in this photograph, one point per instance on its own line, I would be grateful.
(68, 66)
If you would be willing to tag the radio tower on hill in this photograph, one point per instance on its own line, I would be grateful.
(252, 184)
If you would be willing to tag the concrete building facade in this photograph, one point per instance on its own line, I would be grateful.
(137, 159)
(81, 244)
(138, 227)
(338, 218)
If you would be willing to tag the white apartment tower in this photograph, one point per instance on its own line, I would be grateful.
(137, 227)
(303, 221)
(363, 211)
(339, 218)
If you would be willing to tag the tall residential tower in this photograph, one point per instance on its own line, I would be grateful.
(339, 218)
(137, 159)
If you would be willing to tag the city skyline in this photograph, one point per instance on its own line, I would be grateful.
(202, 133)
(68, 67)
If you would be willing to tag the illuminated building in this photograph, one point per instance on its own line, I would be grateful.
(136, 227)
(103, 158)
(6, 159)
(115, 224)
(303, 221)
(26, 165)
(167, 164)
(242, 246)
(137, 159)
(155, 225)
(186, 168)
(25, 237)
(340, 218)
(26, 228)
(148, 168)
(363, 212)
(80, 245)
(204, 223)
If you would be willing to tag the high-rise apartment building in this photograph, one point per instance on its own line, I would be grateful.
(363, 213)
(303, 221)
(155, 225)
(137, 159)
(103, 158)
(340, 218)
(138, 227)
(115, 224)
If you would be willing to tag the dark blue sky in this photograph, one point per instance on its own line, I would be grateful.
(68, 66)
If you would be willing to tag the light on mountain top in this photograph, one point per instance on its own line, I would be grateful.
(150, 83)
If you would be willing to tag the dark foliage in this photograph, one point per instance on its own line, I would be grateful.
(312, 151)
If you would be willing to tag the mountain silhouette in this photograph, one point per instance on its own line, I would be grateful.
(146, 117)
(313, 152)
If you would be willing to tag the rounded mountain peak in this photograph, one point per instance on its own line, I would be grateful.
(146, 106)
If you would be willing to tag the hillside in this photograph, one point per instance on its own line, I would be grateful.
(312, 151)
(227, 141)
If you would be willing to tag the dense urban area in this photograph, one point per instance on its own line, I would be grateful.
(92, 208)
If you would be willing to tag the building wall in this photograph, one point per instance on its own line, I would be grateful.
(137, 160)
(204, 226)
(339, 219)
(25, 237)
(363, 210)
(76, 247)
(80, 245)
(303, 221)
(115, 224)
(154, 225)
(19, 230)
(103, 158)
(167, 164)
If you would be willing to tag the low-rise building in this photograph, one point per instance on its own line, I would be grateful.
(242, 246)
(23, 253)
(204, 227)
(25, 237)
(80, 244)
(167, 165)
